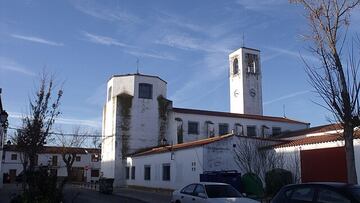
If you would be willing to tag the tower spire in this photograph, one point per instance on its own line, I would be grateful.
(243, 40)
(137, 65)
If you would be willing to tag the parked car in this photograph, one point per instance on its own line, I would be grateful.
(208, 192)
(318, 192)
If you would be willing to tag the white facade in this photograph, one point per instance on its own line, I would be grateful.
(135, 119)
(186, 163)
(245, 82)
(12, 161)
(143, 123)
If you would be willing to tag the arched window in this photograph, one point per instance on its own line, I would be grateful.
(235, 66)
(109, 93)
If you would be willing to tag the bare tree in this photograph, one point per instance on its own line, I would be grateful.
(335, 79)
(69, 145)
(252, 156)
(37, 124)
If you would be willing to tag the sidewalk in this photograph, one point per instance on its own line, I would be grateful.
(149, 196)
(143, 194)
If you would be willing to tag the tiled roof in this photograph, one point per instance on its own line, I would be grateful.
(315, 140)
(185, 145)
(58, 150)
(236, 115)
(317, 129)
(192, 144)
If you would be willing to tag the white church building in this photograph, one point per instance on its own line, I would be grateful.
(151, 143)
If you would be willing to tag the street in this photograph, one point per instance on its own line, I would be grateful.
(72, 194)
(80, 195)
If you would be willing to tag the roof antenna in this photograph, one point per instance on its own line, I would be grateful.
(284, 111)
(243, 40)
(137, 65)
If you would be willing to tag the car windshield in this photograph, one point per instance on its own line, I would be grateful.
(356, 193)
(220, 191)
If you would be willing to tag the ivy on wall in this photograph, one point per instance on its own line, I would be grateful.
(125, 103)
(163, 107)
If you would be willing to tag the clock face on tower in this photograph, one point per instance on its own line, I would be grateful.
(236, 93)
(252, 92)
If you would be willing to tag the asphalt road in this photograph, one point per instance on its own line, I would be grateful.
(79, 195)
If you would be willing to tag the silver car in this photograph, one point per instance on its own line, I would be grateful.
(205, 192)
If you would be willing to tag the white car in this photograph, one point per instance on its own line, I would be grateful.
(207, 192)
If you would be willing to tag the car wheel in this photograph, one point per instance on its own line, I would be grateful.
(177, 201)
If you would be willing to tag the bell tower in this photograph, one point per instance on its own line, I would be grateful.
(245, 82)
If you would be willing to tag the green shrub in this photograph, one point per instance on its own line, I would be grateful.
(276, 179)
(252, 185)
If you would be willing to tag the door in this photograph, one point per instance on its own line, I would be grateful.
(323, 165)
(12, 174)
(77, 174)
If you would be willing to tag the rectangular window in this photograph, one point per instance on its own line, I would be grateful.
(147, 172)
(54, 160)
(78, 158)
(193, 128)
(13, 156)
(145, 90)
(133, 172)
(166, 172)
(94, 157)
(276, 130)
(127, 172)
(95, 173)
(223, 128)
(251, 131)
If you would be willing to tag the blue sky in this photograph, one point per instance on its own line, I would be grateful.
(184, 42)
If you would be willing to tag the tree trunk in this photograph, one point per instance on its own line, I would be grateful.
(350, 157)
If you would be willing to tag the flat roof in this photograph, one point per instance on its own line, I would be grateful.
(136, 74)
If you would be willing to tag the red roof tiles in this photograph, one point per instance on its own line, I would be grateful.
(315, 140)
(192, 144)
(59, 150)
(185, 145)
(317, 129)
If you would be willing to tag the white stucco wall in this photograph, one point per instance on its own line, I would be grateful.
(43, 159)
(201, 119)
(144, 122)
(182, 171)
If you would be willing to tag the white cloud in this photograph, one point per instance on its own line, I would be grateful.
(288, 96)
(96, 123)
(109, 13)
(171, 19)
(11, 65)
(181, 42)
(295, 54)
(98, 97)
(98, 39)
(151, 55)
(261, 5)
(37, 40)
